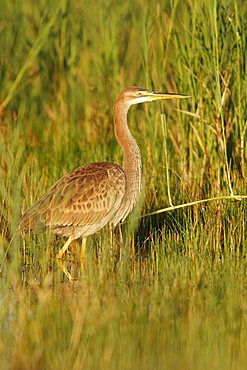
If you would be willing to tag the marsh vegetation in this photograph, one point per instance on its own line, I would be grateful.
(168, 291)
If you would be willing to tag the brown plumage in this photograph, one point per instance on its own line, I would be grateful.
(85, 200)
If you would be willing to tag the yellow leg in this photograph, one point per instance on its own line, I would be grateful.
(121, 242)
(63, 250)
(83, 253)
(65, 270)
(83, 249)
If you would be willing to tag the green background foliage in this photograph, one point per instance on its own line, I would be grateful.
(171, 292)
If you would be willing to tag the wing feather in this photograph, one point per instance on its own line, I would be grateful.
(86, 198)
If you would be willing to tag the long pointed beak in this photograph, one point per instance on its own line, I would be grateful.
(153, 95)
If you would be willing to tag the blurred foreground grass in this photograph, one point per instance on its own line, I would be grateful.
(173, 293)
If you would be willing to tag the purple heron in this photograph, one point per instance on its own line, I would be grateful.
(86, 199)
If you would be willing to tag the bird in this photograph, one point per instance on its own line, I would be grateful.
(83, 201)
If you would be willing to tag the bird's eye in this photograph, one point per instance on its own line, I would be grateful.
(139, 93)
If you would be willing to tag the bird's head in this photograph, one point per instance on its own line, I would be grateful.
(136, 95)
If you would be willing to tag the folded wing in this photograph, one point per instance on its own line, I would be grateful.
(80, 203)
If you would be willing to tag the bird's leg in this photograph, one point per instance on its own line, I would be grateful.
(83, 254)
(121, 241)
(63, 250)
(120, 234)
(64, 269)
(83, 249)
(111, 238)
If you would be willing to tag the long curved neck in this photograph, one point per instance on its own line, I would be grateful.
(132, 156)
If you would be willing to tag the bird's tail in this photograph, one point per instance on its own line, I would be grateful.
(30, 221)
